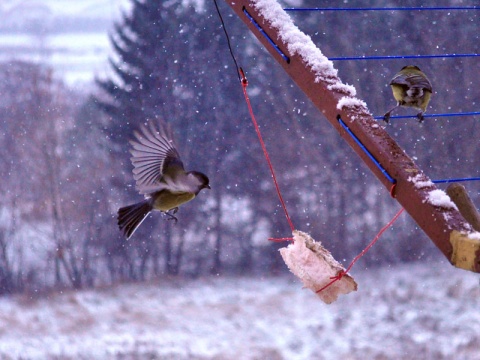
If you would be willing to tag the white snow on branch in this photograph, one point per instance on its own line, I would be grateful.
(343, 88)
(474, 235)
(350, 102)
(441, 199)
(301, 44)
(420, 181)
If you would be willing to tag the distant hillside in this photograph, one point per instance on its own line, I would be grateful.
(72, 39)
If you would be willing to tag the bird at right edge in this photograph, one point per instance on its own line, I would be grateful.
(160, 176)
(411, 88)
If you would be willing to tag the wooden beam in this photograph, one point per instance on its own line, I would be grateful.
(465, 205)
(435, 214)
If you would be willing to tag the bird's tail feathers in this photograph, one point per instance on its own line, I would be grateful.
(130, 217)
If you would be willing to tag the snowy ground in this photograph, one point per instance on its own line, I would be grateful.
(416, 311)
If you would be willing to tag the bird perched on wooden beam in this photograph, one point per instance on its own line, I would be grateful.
(160, 176)
(411, 88)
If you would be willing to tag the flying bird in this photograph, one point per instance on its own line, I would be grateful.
(411, 88)
(160, 176)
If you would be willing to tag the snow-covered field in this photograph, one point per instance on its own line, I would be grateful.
(419, 311)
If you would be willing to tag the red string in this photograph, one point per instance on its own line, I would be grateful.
(257, 129)
(281, 239)
(343, 272)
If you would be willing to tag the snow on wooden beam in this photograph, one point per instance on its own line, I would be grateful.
(316, 76)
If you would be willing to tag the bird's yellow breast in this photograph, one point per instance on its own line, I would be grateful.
(166, 200)
(420, 102)
(398, 92)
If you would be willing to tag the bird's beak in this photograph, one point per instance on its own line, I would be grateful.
(208, 187)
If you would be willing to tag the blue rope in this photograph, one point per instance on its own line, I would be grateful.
(259, 28)
(456, 180)
(386, 9)
(365, 150)
(390, 57)
(382, 169)
(472, 113)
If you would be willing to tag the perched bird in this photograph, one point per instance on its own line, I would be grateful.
(411, 88)
(160, 176)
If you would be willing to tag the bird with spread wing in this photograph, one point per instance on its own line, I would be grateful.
(160, 176)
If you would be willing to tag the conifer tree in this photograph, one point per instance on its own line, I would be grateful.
(170, 62)
(147, 73)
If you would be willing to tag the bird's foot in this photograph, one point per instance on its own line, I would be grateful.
(420, 117)
(171, 216)
(386, 118)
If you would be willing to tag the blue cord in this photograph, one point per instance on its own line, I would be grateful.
(377, 163)
(472, 113)
(365, 150)
(390, 57)
(259, 28)
(386, 9)
(456, 180)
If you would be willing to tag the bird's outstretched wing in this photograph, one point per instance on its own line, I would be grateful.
(153, 155)
(412, 81)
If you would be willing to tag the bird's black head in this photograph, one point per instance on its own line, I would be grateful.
(203, 179)
(411, 67)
